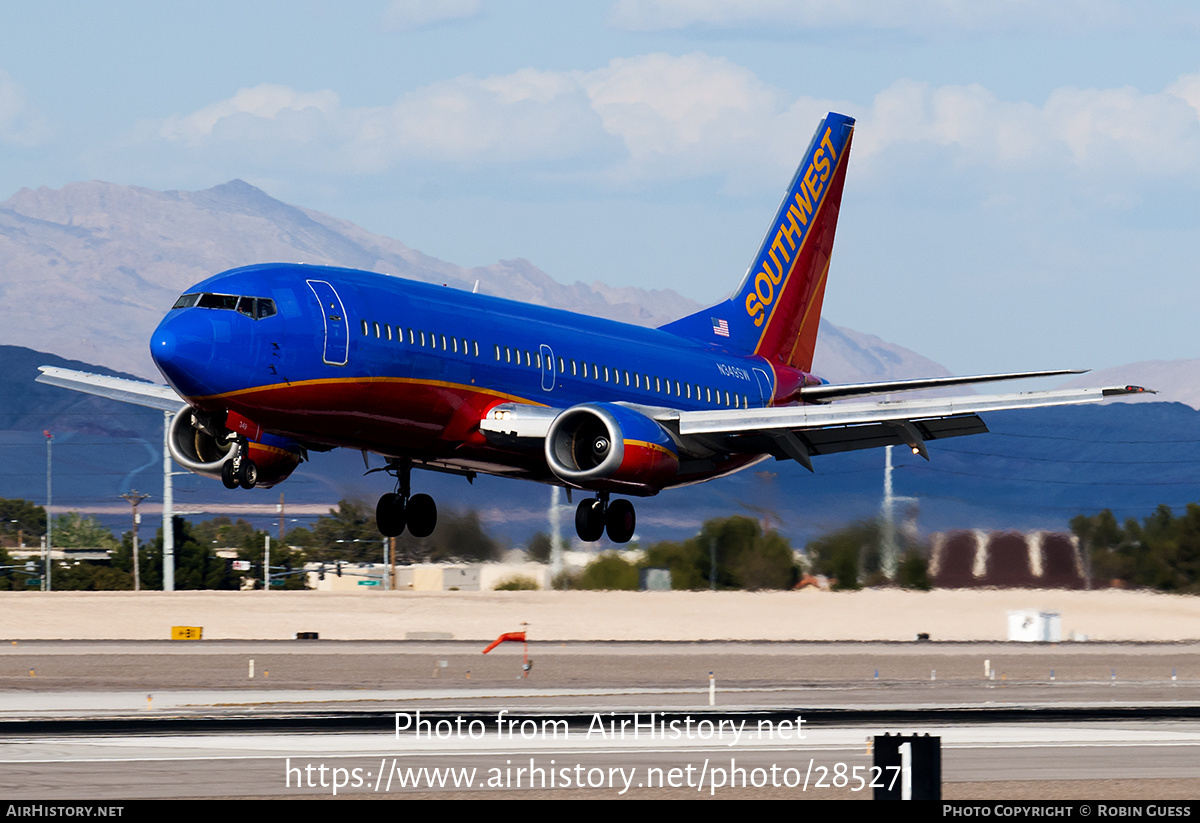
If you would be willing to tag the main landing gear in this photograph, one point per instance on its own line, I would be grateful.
(240, 471)
(400, 509)
(594, 517)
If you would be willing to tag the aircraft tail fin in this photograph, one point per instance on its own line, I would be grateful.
(776, 310)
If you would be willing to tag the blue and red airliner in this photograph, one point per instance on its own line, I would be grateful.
(270, 362)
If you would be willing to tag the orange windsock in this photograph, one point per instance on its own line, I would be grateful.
(519, 637)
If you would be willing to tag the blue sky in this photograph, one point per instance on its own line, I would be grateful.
(1022, 190)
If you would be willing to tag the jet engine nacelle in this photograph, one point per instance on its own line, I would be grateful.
(201, 445)
(605, 446)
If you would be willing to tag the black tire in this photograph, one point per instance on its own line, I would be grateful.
(228, 478)
(620, 521)
(589, 520)
(390, 515)
(248, 474)
(422, 515)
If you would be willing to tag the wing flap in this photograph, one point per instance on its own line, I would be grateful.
(875, 435)
(114, 388)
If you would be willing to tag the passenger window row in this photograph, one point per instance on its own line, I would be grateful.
(580, 369)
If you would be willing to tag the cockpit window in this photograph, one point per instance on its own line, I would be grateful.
(217, 301)
(254, 307)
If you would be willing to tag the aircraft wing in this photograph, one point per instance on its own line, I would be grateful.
(114, 388)
(831, 391)
(801, 431)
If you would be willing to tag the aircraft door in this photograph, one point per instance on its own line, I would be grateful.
(337, 337)
(764, 386)
(547, 368)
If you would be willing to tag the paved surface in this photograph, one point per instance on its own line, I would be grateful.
(1127, 759)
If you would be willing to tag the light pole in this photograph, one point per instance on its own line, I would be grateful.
(49, 517)
(134, 498)
(168, 513)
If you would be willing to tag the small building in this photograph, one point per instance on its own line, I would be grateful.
(1033, 626)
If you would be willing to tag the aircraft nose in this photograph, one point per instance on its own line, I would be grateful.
(182, 347)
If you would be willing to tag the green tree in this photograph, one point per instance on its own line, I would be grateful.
(746, 558)
(458, 536)
(347, 533)
(840, 554)
(73, 531)
(539, 547)
(608, 572)
(17, 516)
(197, 566)
(913, 572)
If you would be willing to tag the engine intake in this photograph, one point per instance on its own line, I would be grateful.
(603, 445)
(202, 446)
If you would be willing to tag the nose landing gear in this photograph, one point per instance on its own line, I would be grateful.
(240, 471)
(594, 517)
(401, 509)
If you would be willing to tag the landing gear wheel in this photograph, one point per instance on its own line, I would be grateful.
(390, 515)
(620, 521)
(247, 474)
(422, 515)
(589, 520)
(228, 475)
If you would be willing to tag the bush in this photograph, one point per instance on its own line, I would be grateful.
(517, 583)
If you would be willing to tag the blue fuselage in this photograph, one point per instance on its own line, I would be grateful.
(368, 361)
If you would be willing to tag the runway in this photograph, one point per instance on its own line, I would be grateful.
(102, 720)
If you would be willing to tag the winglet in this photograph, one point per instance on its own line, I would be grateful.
(1121, 391)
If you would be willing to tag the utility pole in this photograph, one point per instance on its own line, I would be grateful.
(134, 498)
(890, 559)
(49, 517)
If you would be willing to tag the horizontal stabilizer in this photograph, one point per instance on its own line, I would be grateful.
(114, 388)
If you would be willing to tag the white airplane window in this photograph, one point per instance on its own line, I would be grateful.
(365, 331)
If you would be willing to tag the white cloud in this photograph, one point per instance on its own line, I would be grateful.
(1100, 131)
(407, 15)
(262, 103)
(660, 117)
(19, 124)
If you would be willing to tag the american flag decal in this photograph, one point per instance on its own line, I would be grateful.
(720, 327)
